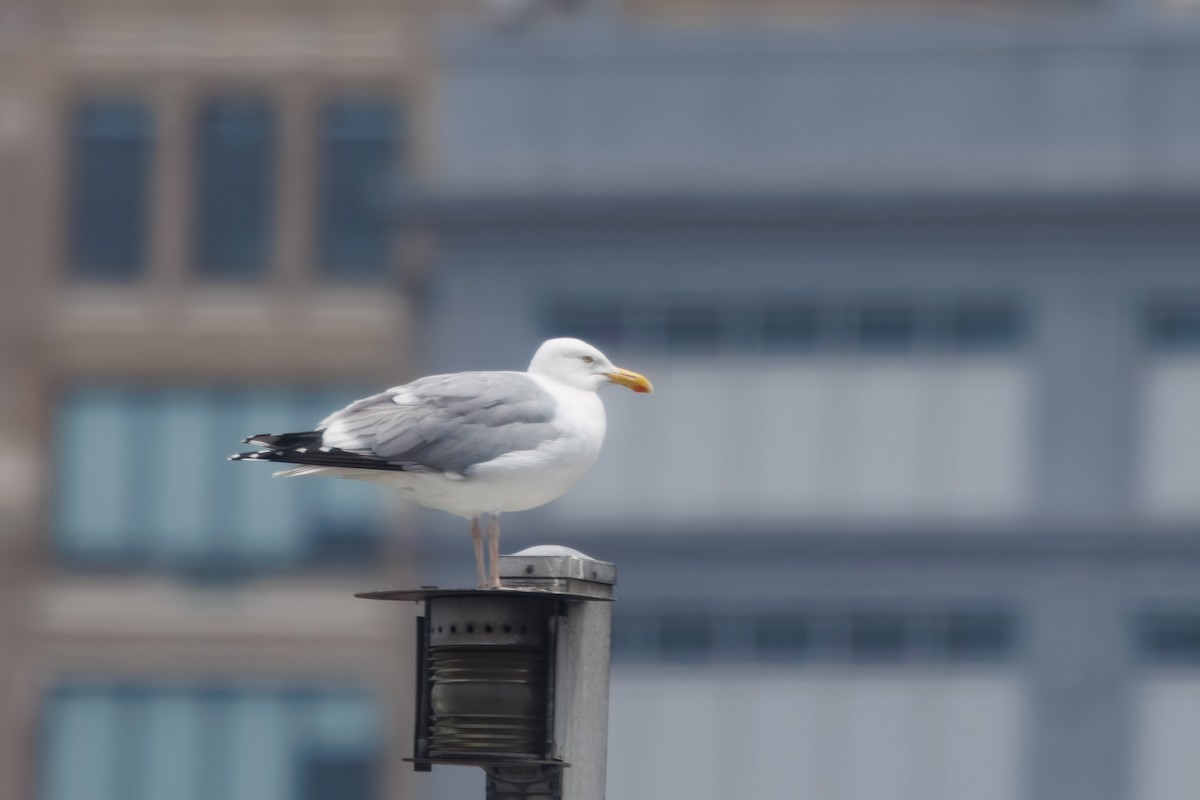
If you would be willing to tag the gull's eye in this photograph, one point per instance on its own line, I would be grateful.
(588, 359)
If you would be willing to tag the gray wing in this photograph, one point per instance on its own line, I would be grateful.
(447, 423)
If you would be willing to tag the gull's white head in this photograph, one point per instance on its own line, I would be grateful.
(578, 364)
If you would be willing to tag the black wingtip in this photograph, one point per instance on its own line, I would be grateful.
(248, 456)
(319, 457)
(266, 439)
(285, 441)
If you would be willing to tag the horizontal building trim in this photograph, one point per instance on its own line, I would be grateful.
(923, 35)
(901, 545)
(707, 215)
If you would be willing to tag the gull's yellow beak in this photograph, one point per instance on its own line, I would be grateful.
(631, 380)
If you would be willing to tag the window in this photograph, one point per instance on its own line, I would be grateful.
(782, 637)
(878, 636)
(885, 328)
(780, 326)
(819, 635)
(791, 328)
(143, 482)
(982, 327)
(685, 637)
(235, 176)
(1168, 482)
(1170, 637)
(106, 741)
(1173, 326)
(359, 153)
(965, 636)
(111, 144)
(692, 329)
(600, 323)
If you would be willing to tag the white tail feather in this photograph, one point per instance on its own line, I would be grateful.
(296, 472)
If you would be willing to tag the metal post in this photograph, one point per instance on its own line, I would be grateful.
(584, 647)
(516, 680)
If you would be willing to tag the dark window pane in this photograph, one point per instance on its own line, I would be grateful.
(358, 158)
(633, 636)
(1173, 637)
(878, 637)
(685, 637)
(781, 638)
(883, 329)
(236, 172)
(332, 541)
(1173, 326)
(790, 329)
(983, 327)
(977, 636)
(601, 324)
(110, 188)
(328, 777)
(692, 330)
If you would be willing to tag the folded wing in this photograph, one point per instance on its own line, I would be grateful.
(442, 423)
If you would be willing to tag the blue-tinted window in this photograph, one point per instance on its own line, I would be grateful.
(235, 177)
(782, 637)
(143, 482)
(692, 329)
(111, 143)
(784, 327)
(954, 636)
(878, 636)
(634, 636)
(791, 328)
(983, 327)
(598, 323)
(967, 636)
(360, 150)
(685, 637)
(105, 741)
(886, 328)
(1173, 326)
(340, 777)
(1170, 637)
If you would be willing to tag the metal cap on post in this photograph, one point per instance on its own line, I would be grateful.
(516, 680)
(554, 568)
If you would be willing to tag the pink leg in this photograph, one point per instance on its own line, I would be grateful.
(494, 550)
(477, 535)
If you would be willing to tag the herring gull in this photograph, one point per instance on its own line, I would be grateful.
(470, 443)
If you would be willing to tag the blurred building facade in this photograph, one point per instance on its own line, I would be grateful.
(910, 515)
(193, 206)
